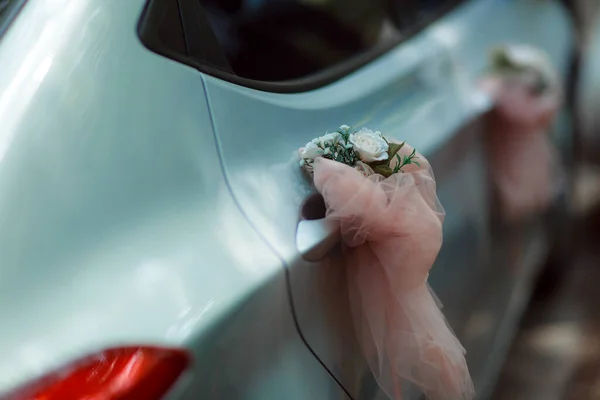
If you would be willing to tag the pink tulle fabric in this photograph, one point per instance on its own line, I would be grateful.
(392, 232)
(523, 160)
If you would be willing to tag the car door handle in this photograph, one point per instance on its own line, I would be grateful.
(315, 238)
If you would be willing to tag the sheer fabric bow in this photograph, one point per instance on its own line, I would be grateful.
(392, 233)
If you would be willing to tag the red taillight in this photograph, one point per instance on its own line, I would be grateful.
(117, 374)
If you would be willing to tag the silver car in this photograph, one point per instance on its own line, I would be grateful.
(155, 231)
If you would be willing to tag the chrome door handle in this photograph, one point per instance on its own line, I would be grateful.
(315, 238)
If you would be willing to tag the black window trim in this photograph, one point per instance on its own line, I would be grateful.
(11, 11)
(216, 67)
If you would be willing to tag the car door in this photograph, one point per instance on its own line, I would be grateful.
(278, 73)
(413, 93)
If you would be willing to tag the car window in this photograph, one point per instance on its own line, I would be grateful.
(279, 40)
(282, 45)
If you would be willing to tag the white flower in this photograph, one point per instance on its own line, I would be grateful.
(329, 138)
(370, 146)
(530, 58)
(311, 151)
(365, 130)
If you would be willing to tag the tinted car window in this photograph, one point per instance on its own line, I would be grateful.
(278, 40)
(282, 45)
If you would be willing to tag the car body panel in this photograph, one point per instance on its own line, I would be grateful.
(118, 227)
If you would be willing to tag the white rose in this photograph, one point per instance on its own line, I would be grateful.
(311, 151)
(366, 130)
(369, 145)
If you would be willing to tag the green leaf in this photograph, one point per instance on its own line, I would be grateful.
(406, 160)
(393, 149)
(374, 164)
(383, 170)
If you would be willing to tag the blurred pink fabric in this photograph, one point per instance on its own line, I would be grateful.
(523, 160)
(392, 233)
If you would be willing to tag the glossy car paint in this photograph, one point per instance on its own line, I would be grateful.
(117, 225)
(144, 202)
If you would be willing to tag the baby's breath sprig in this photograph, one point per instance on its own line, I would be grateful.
(344, 150)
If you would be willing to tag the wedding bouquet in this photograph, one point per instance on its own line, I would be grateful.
(367, 151)
(383, 195)
(523, 161)
(525, 64)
